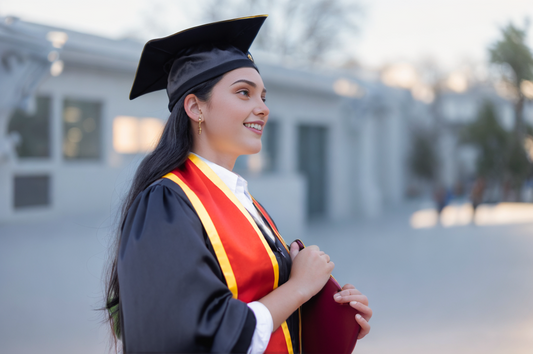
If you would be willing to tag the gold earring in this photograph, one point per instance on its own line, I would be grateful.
(200, 125)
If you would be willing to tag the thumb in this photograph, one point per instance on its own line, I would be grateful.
(295, 249)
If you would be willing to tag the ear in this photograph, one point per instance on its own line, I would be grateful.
(191, 104)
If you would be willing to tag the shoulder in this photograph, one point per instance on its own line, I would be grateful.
(163, 193)
(162, 207)
(165, 185)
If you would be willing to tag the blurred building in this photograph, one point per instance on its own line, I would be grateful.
(334, 147)
(452, 112)
(437, 118)
(455, 111)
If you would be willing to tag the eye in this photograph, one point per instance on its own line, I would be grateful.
(244, 93)
(264, 99)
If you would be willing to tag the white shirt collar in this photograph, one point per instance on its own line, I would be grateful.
(239, 187)
(235, 183)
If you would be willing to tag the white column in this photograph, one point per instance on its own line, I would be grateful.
(371, 197)
(6, 190)
(339, 172)
(288, 147)
(448, 158)
(396, 157)
(26, 57)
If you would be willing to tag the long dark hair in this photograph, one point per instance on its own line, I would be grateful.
(171, 152)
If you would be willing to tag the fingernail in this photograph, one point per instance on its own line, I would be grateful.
(337, 296)
(353, 303)
(358, 316)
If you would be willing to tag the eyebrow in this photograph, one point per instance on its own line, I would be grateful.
(251, 83)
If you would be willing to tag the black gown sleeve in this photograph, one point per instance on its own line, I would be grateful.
(173, 296)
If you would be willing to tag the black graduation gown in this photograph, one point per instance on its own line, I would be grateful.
(173, 295)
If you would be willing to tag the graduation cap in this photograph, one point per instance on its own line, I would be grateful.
(187, 58)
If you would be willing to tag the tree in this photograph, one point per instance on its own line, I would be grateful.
(423, 160)
(518, 166)
(297, 31)
(512, 54)
(502, 158)
(310, 31)
(491, 141)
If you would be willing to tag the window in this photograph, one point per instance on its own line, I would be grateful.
(270, 145)
(133, 135)
(34, 129)
(82, 128)
(312, 163)
(31, 191)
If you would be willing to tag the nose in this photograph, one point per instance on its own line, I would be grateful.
(261, 110)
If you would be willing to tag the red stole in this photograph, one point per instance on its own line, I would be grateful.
(247, 262)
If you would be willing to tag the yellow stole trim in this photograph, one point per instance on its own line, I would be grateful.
(287, 336)
(211, 233)
(215, 238)
(224, 188)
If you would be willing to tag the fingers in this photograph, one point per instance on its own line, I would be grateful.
(311, 248)
(342, 299)
(294, 250)
(363, 310)
(347, 295)
(365, 327)
(325, 255)
(359, 302)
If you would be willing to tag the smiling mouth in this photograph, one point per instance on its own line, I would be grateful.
(253, 126)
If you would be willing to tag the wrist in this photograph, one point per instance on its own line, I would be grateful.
(299, 291)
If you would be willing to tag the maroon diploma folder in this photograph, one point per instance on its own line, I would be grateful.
(327, 326)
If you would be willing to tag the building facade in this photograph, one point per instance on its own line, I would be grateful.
(334, 147)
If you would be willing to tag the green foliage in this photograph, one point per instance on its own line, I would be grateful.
(501, 155)
(518, 165)
(491, 140)
(114, 312)
(510, 160)
(512, 50)
(423, 159)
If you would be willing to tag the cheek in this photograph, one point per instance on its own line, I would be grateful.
(225, 123)
(228, 117)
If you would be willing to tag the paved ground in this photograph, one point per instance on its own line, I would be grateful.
(443, 290)
(50, 286)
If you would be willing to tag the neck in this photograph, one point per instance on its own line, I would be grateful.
(221, 159)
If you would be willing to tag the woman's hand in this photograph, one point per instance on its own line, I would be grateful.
(310, 270)
(359, 302)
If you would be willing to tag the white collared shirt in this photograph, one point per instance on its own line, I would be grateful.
(238, 185)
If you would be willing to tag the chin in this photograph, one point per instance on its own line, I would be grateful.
(251, 149)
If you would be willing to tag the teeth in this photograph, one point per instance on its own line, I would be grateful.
(254, 126)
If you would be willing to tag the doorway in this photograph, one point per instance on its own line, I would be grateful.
(312, 140)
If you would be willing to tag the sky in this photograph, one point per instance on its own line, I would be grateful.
(449, 32)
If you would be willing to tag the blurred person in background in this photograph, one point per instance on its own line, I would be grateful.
(199, 266)
(478, 190)
(441, 196)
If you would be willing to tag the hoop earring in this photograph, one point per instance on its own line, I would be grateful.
(200, 125)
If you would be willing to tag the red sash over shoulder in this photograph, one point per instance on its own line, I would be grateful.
(249, 265)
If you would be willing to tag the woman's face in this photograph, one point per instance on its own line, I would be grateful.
(235, 115)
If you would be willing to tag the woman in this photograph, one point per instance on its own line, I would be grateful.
(200, 266)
